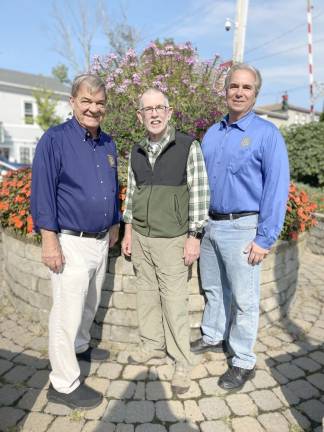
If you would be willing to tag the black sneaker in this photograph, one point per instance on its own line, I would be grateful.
(83, 397)
(200, 346)
(235, 378)
(93, 354)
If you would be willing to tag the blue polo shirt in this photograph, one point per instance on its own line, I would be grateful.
(74, 180)
(248, 170)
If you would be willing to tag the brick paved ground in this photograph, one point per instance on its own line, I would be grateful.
(287, 393)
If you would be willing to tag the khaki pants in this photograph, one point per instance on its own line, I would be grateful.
(76, 297)
(162, 295)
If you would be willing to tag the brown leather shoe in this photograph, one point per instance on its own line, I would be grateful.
(181, 381)
(137, 357)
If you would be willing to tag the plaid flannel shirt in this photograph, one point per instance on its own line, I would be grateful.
(196, 179)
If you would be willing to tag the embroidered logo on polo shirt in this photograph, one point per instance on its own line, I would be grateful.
(246, 141)
(111, 161)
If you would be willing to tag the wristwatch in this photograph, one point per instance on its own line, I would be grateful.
(196, 234)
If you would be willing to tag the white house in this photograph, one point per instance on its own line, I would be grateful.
(19, 132)
(292, 114)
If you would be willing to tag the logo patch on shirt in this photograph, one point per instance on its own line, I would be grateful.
(246, 141)
(111, 161)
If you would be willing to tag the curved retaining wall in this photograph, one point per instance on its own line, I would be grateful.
(315, 240)
(26, 283)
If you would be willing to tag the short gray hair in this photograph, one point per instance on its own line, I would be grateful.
(94, 82)
(152, 90)
(244, 66)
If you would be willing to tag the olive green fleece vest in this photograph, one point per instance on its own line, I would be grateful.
(161, 198)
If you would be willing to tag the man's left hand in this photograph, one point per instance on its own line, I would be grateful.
(256, 254)
(191, 250)
(113, 235)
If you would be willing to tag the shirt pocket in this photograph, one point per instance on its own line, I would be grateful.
(240, 160)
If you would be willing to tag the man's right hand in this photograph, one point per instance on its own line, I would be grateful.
(52, 255)
(127, 241)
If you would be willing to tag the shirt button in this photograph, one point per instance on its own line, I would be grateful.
(105, 198)
(105, 214)
(101, 181)
(98, 166)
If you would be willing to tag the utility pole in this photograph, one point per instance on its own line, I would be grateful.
(310, 57)
(240, 30)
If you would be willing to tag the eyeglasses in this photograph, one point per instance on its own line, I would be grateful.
(160, 109)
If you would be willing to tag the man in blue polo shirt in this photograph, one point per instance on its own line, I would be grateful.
(74, 205)
(247, 167)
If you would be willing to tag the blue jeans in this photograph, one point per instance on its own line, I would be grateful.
(231, 286)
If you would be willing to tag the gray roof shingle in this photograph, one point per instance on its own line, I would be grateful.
(32, 81)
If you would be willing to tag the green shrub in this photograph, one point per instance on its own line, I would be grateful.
(305, 145)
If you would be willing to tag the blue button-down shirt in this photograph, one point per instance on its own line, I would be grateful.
(74, 180)
(248, 170)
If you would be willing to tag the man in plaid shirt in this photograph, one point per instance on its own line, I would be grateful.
(166, 204)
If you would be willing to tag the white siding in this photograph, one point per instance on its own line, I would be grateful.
(17, 136)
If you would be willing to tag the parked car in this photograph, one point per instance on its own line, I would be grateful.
(6, 166)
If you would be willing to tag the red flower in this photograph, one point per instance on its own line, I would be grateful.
(293, 235)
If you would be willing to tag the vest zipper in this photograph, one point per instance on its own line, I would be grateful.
(147, 211)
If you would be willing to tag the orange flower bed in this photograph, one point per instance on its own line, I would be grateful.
(299, 216)
(15, 191)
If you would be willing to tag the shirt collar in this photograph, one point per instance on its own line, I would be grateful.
(242, 123)
(167, 137)
(83, 132)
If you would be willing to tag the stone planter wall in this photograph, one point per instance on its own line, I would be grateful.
(26, 283)
(316, 236)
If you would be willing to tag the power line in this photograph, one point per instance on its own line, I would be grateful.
(303, 24)
(275, 38)
(169, 26)
(293, 48)
(289, 90)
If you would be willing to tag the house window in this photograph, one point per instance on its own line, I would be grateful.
(28, 112)
(24, 153)
(4, 152)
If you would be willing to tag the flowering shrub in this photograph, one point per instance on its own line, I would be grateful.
(14, 201)
(194, 89)
(299, 216)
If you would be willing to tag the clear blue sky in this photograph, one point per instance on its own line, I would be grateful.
(276, 40)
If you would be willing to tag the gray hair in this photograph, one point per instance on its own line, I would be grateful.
(94, 83)
(244, 66)
(152, 90)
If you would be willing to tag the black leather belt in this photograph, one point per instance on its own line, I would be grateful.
(229, 216)
(97, 235)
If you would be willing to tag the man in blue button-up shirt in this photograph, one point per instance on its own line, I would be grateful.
(247, 167)
(74, 205)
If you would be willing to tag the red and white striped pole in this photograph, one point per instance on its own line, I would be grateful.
(310, 57)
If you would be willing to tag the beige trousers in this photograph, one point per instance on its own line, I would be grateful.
(76, 297)
(162, 295)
